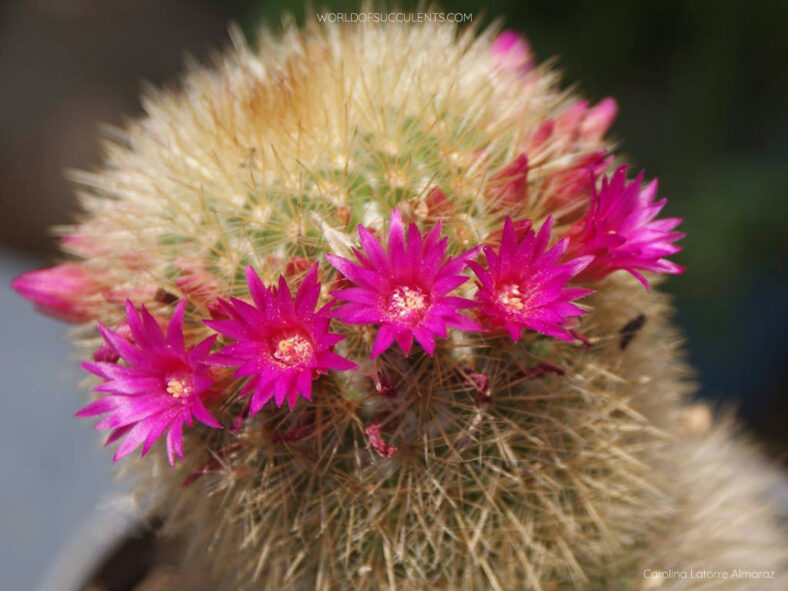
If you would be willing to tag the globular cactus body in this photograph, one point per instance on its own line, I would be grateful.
(388, 422)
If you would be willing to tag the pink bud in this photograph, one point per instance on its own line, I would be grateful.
(377, 443)
(481, 382)
(512, 52)
(384, 386)
(297, 265)
(106, 352)
(63, 291)
(512, 181)
(541, 135)
(197, 283)
(598, 120)
(575, 181)
(568, 123)
(138, 294)
(82, 245)
(438, 205)
(521, 228)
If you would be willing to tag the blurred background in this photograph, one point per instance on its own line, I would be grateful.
(702, 88)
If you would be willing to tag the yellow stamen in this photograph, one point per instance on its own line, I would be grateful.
(511, 298)
(406, 303)
(177, 388)
(293, 350)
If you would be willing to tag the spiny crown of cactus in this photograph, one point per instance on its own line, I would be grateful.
(389, 271)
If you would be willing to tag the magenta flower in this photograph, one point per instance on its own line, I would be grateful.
(282, 343)
(404, 290)
(525, 284)
(620, 231)
(159, 388)
(65, 292)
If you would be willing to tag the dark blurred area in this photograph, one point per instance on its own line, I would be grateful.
(702, 88)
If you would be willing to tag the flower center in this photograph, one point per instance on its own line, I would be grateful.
(293, 350)
(407, 304)
(179, 387)
(511, 298)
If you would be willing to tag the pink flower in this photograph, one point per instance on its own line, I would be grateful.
(512, 52)
(65, 292)
(405, 289)
(525, 284)
(160, 386)
(281, 344)
(620, 232)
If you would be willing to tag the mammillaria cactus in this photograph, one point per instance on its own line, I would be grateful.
(402, 282)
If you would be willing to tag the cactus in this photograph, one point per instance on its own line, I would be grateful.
(397, 275)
